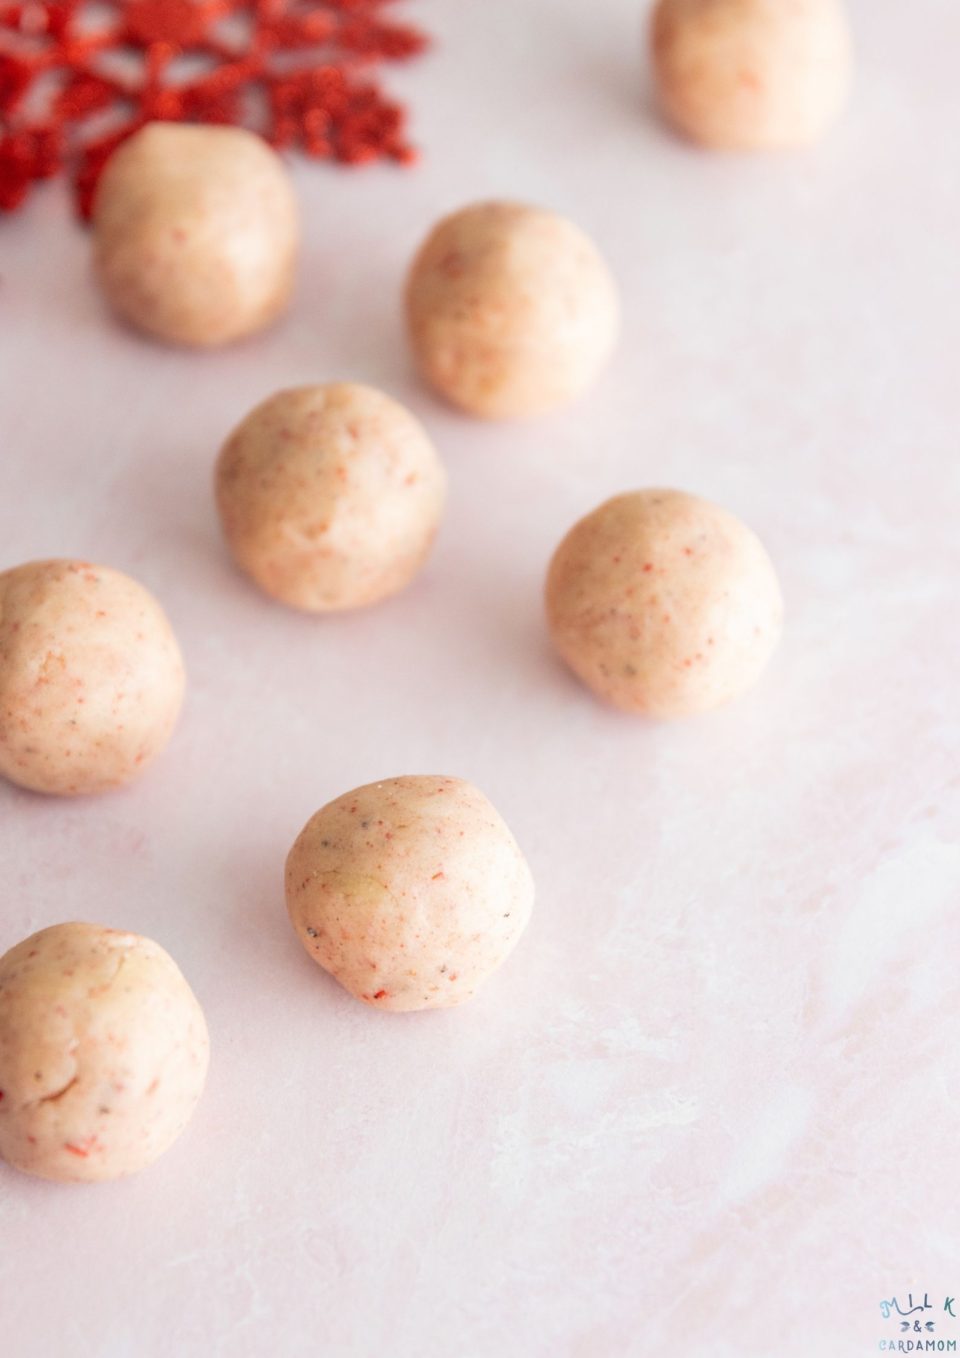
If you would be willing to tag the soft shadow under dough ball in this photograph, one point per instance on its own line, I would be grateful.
(410, 892)
(330, 497)
(511, 310)
(751, 74)
(91, 677)
(103, 1053)
(663, 603)
(196, 233)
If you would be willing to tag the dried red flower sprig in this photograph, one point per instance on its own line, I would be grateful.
(77, 77)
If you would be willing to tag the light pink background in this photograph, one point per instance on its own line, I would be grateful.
(710, 1107)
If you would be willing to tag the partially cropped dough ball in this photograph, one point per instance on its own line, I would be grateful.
(330, 497)
(663, 603)
(103, 1053)
(410, 892)
(196, 233)
(751, 74)
(91, 678)
(511, 310)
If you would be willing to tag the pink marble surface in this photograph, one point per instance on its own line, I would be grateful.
(710, 1106)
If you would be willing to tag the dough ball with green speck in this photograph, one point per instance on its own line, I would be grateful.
(330, 497)
(410, 892)
(663, 603)
(91, 677)
(103, 1053)
(511, 310)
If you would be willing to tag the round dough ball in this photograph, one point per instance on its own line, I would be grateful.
(196, 233)
(103, 1053)
(511, 310)
(91, 678)
(663, 603)
(330, 497)
(751, 74)
(409, 892)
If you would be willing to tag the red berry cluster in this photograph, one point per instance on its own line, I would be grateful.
(79, 76)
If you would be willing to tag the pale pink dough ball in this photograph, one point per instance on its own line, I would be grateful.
(196, 233)
(330, 497)
(103, 1053)
(410, 892)
(91, 677)
(663, 603)
(751, 74)
(511, 310)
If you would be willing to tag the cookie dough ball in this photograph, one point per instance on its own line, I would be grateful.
(91, 679)
(410, 892)
(103, 1053)
(663, 603)
(330, 497)
(751, 74)
(511, 310)
(196, 233)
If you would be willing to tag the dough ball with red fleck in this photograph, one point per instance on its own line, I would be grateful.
(196, 233)
(91, 678)
(751, 74)
(511, 310)
(103, 1053)
(663, 603)
(410, 892)
(330, 497)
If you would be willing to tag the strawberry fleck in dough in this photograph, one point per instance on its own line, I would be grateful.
(751, 74)
(330, 497)
(103, 1053)
(91, 678)
(410, 892)
(663, 603)
(511, 310)
(196, 233)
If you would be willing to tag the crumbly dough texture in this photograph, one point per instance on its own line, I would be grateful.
(103, 1053)
(91, 677)
(330, 497)
(410, 892)
(751, 74)
(511, 310)
(196, 233)
(663, 603)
